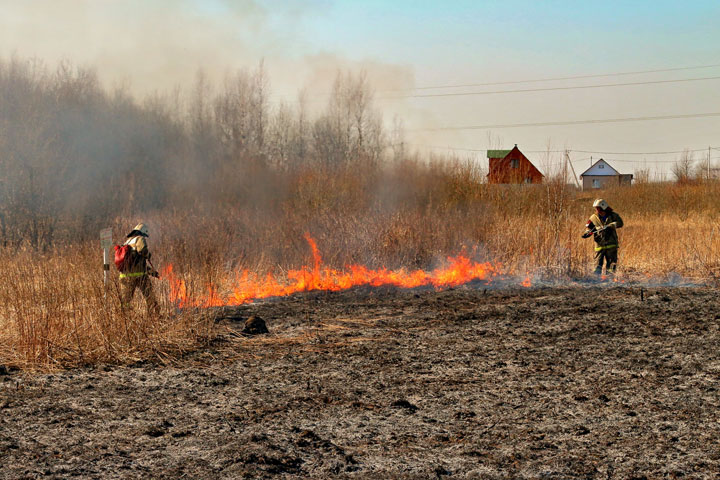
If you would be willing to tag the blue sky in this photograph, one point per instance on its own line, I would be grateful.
(565, 36)
(154, 45)
(474, 42)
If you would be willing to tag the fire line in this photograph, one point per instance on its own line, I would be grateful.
(247, 286)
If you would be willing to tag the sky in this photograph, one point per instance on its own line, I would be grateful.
(405, 46)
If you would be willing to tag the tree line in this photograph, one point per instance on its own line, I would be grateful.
(73, 153)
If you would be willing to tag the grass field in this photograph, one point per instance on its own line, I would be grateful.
(55, 311)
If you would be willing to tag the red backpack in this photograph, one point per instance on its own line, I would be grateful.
(124, 257)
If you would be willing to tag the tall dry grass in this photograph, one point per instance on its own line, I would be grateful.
(227, 182)
(55, 311)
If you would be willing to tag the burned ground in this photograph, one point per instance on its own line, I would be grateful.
(540, 383)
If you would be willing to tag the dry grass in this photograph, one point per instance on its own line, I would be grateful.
(55, 312)
(228, 183)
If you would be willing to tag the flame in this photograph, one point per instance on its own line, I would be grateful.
(526, 283)
(245, 286)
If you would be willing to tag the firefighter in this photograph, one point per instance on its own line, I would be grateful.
(602, 226)
(137, 273)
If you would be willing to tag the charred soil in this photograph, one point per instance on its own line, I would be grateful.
(595, 382)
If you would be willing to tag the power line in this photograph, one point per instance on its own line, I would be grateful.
(556, 78)
(642, 153)
(568, 150)
(480, 149)
(653, 161)
(570, 122)
(526, 90)
(555, 164)
(577, 159)
(614, 160)
(510, 82)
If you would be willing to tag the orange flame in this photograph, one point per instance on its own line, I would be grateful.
(247, 286)
(526, 283)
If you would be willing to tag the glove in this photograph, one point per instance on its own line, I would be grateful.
(587, 234)
(154, 273)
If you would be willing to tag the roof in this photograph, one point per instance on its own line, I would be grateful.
(497, 153)
(600, 169)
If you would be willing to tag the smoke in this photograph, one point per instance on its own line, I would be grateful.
(152, 45)
(101, 152)
(155, 46)
(149, 48)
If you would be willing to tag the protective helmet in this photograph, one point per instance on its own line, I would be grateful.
(139, 229)
(600, 203)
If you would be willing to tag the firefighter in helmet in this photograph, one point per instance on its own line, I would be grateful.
(135, 276)
(602, 226)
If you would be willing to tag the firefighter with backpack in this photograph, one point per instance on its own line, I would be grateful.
(602, 226)
(132, 260)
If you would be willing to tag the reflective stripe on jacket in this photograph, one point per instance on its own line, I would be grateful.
(132, 275)
(607, 238)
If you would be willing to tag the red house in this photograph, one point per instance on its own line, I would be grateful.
(511, 166)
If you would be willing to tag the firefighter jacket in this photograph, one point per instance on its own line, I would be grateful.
(138, 267)
(607, 238)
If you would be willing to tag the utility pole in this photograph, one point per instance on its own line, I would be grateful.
(708, 165)
(567, 160)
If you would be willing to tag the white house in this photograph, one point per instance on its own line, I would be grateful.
(602, 175)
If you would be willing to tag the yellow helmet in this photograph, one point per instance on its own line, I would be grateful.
(139, 229)
(600, 203)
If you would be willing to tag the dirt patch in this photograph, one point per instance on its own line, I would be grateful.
(467, 383)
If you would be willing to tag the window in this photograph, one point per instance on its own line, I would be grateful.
(601, 166)
(596, 183)
(515, 163)
(528, 179)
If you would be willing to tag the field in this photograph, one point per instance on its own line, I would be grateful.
(501, 359)
(56, 313)
(230, 185)
(582, 381)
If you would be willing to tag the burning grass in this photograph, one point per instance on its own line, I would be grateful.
(55, 311)
(244, 287)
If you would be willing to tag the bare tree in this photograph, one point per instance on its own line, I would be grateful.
(703, 168)
(641, 175)
(241, 113)
(397, 140)
(683, 167)
(351, 129)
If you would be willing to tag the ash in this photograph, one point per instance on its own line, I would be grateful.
(474, 382)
